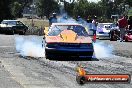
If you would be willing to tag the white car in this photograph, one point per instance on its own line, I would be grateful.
(103, 30)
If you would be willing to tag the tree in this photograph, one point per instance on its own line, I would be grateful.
(16, 9)
(5, 9)
(46, 7)
(84, 8)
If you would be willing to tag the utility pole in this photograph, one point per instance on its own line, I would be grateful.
(32, 8)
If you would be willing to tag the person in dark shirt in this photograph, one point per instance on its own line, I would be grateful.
(53, 19)
(89, 23)
(130, 23)
(89, 19)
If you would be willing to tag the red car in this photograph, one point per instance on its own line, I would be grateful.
(128, 36)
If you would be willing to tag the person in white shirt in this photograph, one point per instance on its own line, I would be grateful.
(94, 25)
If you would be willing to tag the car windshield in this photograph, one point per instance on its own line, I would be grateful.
(57, 29)
(9, 22)
(106, 25)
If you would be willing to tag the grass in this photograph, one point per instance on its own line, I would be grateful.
(37, 22)
(39, 26)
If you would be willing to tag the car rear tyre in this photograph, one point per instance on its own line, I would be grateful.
(12, 32)
(22, 33)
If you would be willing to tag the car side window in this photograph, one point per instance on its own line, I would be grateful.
(20, 23)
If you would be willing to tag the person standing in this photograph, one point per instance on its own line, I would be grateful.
(130, 23)
(80, 20)
(89, 23)
(94, 25)
(53, 19)
(122, 23)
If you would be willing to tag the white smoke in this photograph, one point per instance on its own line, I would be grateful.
(64, 18)
(102, 50)
(29, 46)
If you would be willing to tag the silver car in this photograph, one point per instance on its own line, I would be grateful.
(103, 30)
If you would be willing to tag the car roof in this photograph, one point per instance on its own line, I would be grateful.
(66, 24)
(10, 20)
(105, 23)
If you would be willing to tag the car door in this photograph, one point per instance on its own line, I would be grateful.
(20, 26)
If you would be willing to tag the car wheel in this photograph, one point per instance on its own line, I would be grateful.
(12, 32)
(22, 33)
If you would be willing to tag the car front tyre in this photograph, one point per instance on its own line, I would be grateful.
(12, 32)
(22, 33)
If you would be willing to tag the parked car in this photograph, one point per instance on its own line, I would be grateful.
(13, 26)
(68, 41)
(103, 30)
(128, 36)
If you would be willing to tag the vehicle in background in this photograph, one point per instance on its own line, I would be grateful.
(13, 26)
(129, 12)
(103, 30)
(68, 42)
(128, 36)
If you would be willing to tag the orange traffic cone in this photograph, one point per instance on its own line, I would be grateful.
(94, 37)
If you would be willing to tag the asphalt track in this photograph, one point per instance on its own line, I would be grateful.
(28, 72)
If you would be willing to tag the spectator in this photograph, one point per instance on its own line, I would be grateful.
(80, 20)
(89, 22)
(89, 19)
(53, 19)
(122, 23)
(95, 23)
(130, 23)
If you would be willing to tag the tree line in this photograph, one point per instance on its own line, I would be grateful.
(10, 9)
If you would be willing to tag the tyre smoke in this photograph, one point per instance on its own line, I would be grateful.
(102, 50)
(64, 18)
(29, 46)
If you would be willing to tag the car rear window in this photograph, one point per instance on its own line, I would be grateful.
(9, 22)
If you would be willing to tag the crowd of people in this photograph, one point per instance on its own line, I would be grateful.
(124, 24)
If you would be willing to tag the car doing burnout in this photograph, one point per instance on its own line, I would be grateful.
(68, 41)
(13, 26)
